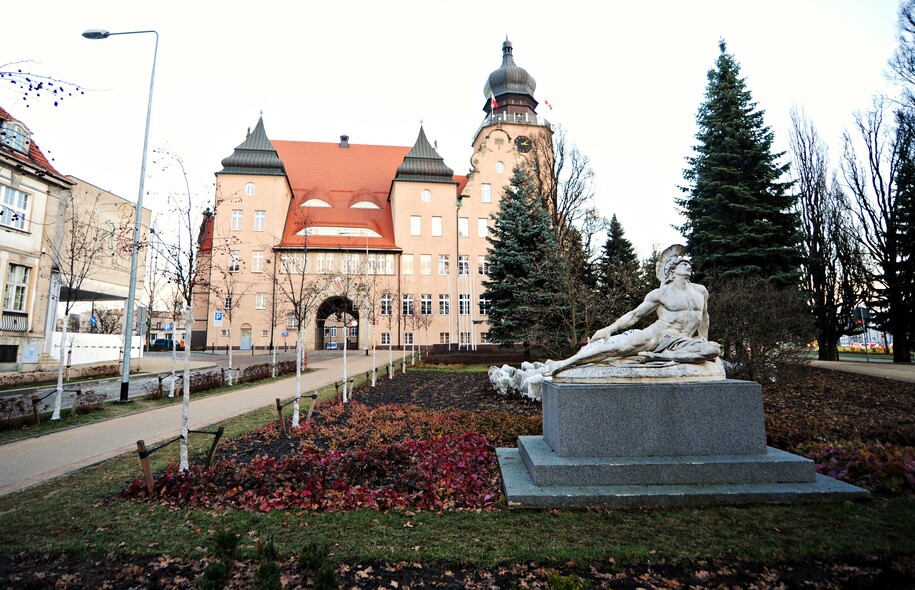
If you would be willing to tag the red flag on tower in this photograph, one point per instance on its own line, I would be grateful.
(493, 102)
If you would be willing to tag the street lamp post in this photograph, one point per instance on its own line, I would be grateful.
(138, 214)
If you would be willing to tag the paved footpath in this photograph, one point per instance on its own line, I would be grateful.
(31, 461)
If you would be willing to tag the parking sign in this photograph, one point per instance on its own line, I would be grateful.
(217, 319)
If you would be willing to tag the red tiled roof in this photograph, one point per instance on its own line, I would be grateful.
(341, 177)
(36, 157)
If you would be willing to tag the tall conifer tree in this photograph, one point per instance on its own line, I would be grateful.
(739, 213)
(619, 270)
(522, 246)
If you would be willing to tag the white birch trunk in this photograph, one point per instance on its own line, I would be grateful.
(60, 372)
(230, 351)
(298, 377)
(171, 390)
(273, 371)
(186, 399)
(391, 355)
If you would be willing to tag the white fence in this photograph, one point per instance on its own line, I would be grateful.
(95, 348)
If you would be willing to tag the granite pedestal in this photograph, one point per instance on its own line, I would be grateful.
(656, 444)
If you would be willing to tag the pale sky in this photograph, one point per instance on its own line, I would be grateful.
(625, 80)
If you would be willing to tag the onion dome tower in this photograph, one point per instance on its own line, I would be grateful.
(510, 89)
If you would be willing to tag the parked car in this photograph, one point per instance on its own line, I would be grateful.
(330, 346)
(164, 344)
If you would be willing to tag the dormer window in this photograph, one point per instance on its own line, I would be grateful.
(15, 136)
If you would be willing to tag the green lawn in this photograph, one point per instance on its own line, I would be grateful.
(78, 514)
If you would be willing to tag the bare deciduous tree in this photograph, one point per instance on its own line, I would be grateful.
(73, 258)
(834, 278)
(882, 187)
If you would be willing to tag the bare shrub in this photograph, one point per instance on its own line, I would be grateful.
(17, 411)
(763, 330)
(88, 401)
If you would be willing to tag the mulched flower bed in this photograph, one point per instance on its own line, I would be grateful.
(412, 441)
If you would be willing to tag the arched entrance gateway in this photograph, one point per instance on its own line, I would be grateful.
(337, 318)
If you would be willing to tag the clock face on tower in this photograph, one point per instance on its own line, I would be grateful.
(523, 144)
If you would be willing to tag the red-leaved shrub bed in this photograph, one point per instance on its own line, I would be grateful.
(884, 469)
(351, 457)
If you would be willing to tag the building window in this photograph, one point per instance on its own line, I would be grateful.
(444, 304)
(425, 304)
(408, 338)
(260, 301)
(14, 136)
(325, 262)
(386, 338)
(465, 337)
(444, 264)
(257, 262)
(464, 227)
(482, 227)
(464, 304)
(483, 265)
(463, 265)
(500, 167)
(484, 337)
(15, 208)
(291, 324)
(224, 333)
(444, 337)
(352, 264)
(426, 195)
(406, 307)
(249, 189)
(236, 219)
(406, 264)
(387, 304)
(425, 264)
(234, 257)
(17, 278)
(260, 220)
(436, 227)
(265, 333)
(484, 306)
(486, 189)
(416, 225)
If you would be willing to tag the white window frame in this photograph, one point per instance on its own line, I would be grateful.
(436, 226)
(234, 257)
(257, 261)
(406, 264)
(15, 209)
(425, 304)
(386, 338)
(482, 227)
(387, 304)
(463, 227)
(238, 217)
(16, 290)
(425, 264)
(444, 304)
(444, 264)
(416, 225)
(486, 193)
(482, 265)
(408, 338)
(250, 188)
(260, 301)
(407, 304)
(260, 220)
(464, 304)
(484, 305)
(464, 264)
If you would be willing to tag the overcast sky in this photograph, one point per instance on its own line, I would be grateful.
(625, 80)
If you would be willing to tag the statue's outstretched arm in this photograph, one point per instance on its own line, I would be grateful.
(629, 319)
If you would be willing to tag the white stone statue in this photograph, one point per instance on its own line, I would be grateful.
(674, 347)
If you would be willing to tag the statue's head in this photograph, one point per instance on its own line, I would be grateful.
(668, 261)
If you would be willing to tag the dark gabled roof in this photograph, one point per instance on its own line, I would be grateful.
(255, 155)
(423, 164)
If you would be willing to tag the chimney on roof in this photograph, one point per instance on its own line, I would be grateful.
(344, 141)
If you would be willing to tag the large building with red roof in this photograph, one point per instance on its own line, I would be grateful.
(386, 239)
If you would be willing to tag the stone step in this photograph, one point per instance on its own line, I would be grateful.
(546, 468)
(521, 492)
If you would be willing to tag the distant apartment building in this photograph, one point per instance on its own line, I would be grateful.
(396, 241)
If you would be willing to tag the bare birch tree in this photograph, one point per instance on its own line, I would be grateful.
(73, 259)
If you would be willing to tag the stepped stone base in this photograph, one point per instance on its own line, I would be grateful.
(688, 444)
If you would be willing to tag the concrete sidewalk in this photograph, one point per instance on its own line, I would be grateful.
(31, 461)
(895, 371)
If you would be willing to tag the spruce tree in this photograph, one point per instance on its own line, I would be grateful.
(522, 248)
(619, 270)
(739, 213)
